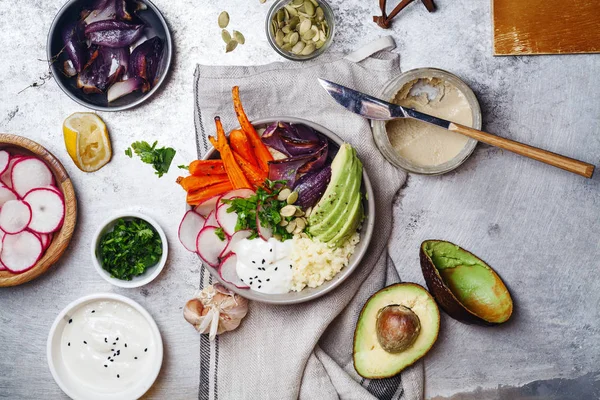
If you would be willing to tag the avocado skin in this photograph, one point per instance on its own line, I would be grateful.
(425, 328)
(444, 296)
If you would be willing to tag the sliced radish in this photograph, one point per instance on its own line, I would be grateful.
(4, 161)
(211, 220)
(244, 193)
(5, 178)
(228, 272)
(20, 252)
(207, 206)
(234, 239)
(52, 187)
(47, 209)
(6, 194)
(189, 228)
(15, 216)
(2, 267)
(264, 232)
(227, 220)
(209, 246)
(30, 173)
(46, 240)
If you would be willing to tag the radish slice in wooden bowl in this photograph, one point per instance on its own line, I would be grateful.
(4, 161)
(30, 173)
(21, 251)
(47, 209)
(6, 194)
(15, 216)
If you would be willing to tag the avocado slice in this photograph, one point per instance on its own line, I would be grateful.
(339, 212)
(396, 327)
(467, 288)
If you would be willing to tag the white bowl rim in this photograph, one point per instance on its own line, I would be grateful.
(142, 279)
(150, 379)
(366, 231)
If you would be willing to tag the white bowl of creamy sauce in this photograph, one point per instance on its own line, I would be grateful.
(417, 146)
(104, 346)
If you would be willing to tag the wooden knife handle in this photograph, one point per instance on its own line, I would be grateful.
(556, 160)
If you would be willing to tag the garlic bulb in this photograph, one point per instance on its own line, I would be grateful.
(215, 310)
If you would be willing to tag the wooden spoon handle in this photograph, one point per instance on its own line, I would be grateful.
(556, 160)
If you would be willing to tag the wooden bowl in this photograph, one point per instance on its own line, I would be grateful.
(60, 241)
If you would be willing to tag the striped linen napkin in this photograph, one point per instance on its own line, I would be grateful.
(305, 351)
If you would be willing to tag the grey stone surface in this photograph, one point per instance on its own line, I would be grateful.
(538, 226)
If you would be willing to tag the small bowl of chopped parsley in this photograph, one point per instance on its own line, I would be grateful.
(129, 250)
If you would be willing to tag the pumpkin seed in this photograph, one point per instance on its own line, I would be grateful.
(286, 29)
(308, 49)
(286, 47)
(299, 213)
(309, 8)
(262, 1)
(305, 26)
(225, 36)
(322, 36)
(280, 16)
(287, 211)
(291, 10)
(293, 23)
(297, 3)
(283, 222)
(286, 13)
(320, 14)
(292, 198)
(239, 37)
(284, 194)
(277, 235)
(300, 224)
(279, 38)
(319, 44)
(291, 227)
(294, 37)
(315, 3)
(308, 211)
(286, 38)
(231, 46)
(223, 20)
(298, 47)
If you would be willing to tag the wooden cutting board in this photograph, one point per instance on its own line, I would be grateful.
(524, 27)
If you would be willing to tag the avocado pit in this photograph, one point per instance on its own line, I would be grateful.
(397, 328)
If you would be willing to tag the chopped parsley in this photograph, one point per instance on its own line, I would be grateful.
(265, 201)
(183, 166)
(129, 249)
(159, 158)
(220, 234)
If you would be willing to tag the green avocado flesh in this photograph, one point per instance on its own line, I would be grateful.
(370, 359)
(339, 212)
(474, 284)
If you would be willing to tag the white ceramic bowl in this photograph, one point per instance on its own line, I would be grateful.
(72, 386)
(150, 273)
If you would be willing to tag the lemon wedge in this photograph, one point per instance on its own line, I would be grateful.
(87, 141)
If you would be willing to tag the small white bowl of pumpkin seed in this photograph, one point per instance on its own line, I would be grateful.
(300, 30)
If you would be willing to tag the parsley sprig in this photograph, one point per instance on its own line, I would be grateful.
(129, 249)
(265, 203)
(159, 158)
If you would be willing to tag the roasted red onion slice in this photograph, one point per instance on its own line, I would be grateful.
(74, 41)
(145, 59)
(311, 186)
(123, 88)
(113, 33)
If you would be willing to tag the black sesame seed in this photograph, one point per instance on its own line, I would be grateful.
(105, 341)
(256, 277)
(71, 320)
(118, 352)
(146, 349)
(105, 366)
(263, 261)
(118, 376)
(275, 268)
(84, 342)
(135, 358)
(253, 262)
(125, 344)
(271, 250)
(108, 358)
(259, 281)
(117, 339)
(114, 343)
(259, 286)
(112, 349)
(112, 360)
(93, 311)
(268, 279)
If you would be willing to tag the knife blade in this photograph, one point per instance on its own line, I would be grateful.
(373, 108)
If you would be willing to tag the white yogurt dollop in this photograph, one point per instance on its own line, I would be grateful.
(108, 346)
(265, 266)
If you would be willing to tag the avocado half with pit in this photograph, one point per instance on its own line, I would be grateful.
(396, 327)
(464, 286)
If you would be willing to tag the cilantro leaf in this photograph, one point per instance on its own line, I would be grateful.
(159, 158)
(220, 233)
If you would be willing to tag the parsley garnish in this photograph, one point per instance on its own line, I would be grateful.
(129, 249)
(182, 166)
(220, 234)
(159, 158)
(269, 216)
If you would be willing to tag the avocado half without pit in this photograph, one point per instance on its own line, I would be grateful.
(464, 286)
(396, 327)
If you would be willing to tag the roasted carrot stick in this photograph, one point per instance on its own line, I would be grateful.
(262, 154)
(207, 167)
(192, 182)
(239, 144)
(234, 172)
(198, 196)
(254, 174)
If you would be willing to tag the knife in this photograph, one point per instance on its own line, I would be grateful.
(376, 109)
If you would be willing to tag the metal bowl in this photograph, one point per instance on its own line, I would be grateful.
(366, 231)
(156, 26)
